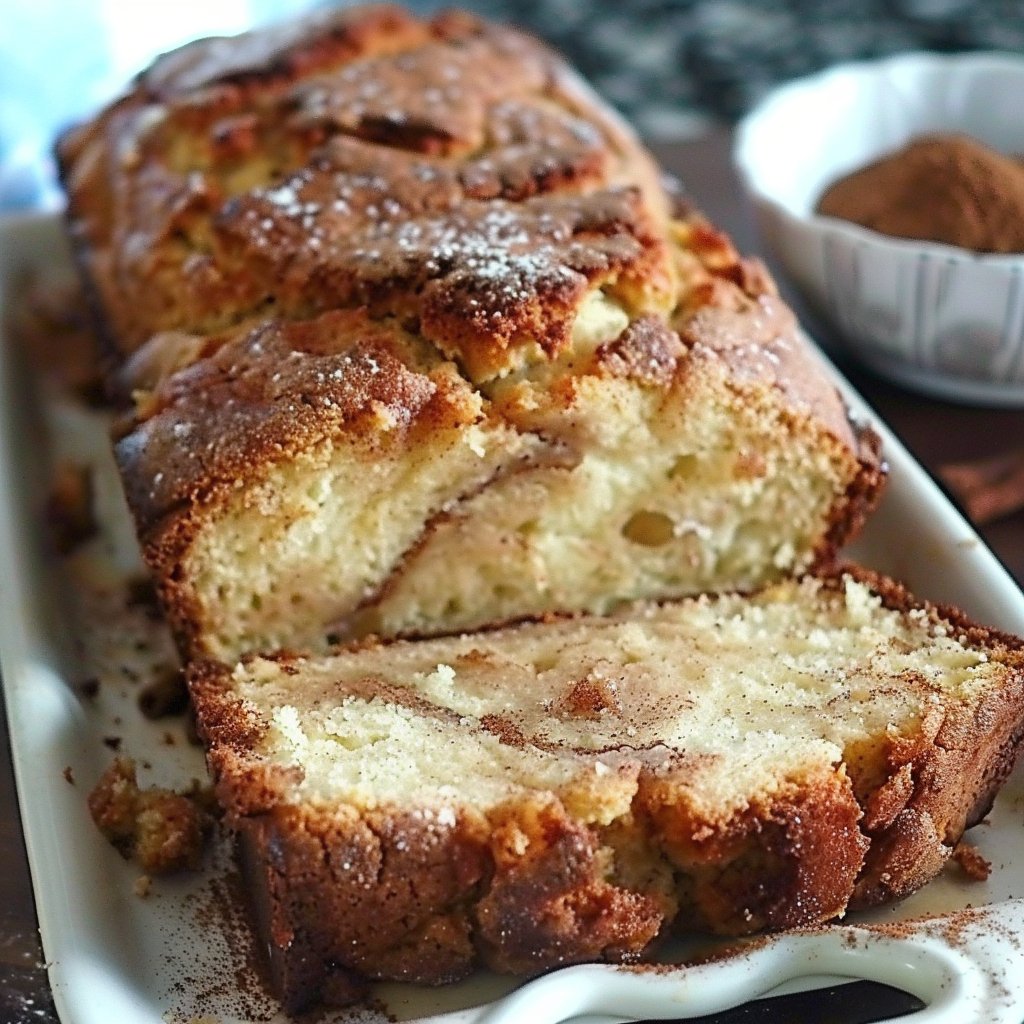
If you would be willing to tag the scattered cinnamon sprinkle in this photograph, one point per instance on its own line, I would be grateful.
(939, 188)
(506, 731)
(162, 830)
(590, 697)
(988, 489)
(971, 862)
(89, 687)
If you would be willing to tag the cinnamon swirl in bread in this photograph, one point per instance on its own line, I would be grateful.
(417, 343)
(573, 790)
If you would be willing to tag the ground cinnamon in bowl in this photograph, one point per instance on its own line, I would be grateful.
(938, 188)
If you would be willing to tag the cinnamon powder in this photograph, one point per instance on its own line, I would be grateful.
(939, 188)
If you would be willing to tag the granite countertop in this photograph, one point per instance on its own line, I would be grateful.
(675, 68)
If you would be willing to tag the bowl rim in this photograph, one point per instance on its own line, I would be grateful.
(856, 233)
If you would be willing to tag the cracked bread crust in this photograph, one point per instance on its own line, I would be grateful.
(449, 170)
(608, 860)
(268, 393)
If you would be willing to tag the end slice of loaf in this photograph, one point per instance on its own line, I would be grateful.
(574, 789)
(418, 344)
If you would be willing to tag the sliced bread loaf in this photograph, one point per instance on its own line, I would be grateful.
(417, 343)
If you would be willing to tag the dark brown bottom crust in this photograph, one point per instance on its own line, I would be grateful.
(343, 898)
(375, 897)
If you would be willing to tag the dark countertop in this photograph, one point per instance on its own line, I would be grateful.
(934, 431)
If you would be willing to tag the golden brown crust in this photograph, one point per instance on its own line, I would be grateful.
(777, 865)
(272, 391)
(344, 898)
(415, 167)
(944, 782)
(342, 894)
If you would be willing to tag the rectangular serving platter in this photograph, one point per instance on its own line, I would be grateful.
(181, 953)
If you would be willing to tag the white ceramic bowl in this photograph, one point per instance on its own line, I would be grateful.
(935, 317)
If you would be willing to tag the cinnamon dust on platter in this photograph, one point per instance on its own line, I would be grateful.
(938, 188)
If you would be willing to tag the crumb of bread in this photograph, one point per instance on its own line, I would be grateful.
(140, 593)
(89, 687)
(69, 775)
(142, 886)
(69, 507)
(161, 829)
(166, 695)
(971, 862)
(51, 324)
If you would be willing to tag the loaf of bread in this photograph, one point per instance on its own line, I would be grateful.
(418, 341)
(571, 790)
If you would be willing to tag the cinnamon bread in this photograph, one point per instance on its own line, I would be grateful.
(573, 790)
(418, 342)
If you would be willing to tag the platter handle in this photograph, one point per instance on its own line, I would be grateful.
(961, 966)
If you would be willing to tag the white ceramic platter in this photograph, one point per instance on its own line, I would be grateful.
(175, 957)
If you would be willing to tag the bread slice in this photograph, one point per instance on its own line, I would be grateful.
(418, 344)
(337, 477)
(574, 789)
